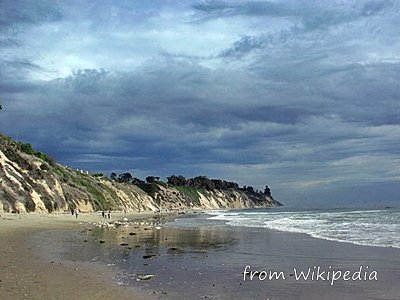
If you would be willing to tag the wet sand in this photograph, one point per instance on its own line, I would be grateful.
(208, 263)
(196, 263)
(25, 274)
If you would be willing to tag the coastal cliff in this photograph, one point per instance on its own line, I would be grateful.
(31, 181)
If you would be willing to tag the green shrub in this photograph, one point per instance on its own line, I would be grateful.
(191, 193)
(98, 175)
(27, 148)
(150, 188)
(161, 183)
(41, 155)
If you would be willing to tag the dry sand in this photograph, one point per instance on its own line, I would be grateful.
(24, 275)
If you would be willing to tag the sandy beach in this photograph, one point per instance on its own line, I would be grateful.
(59, 257)
(26, 275)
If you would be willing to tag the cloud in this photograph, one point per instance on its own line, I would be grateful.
(249, 8)
(9, 42)
(302, 96)
(314, 14)
(25, 12)
(243, 46)
(299, 22)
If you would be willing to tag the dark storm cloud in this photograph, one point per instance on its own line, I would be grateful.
(92, 112)
(301, 95)
(100, 105)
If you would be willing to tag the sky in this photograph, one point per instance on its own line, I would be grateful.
(301, 95)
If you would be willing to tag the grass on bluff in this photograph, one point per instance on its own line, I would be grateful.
(99, 199)
(191, 193)
(83, 181)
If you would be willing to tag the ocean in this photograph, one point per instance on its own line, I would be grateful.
(378, 227)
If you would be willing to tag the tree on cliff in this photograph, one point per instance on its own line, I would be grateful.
(125, 177)
(267, 191)
(176, 180)
(201, 182)
(150, 179)
(113, 176)
(250, 189)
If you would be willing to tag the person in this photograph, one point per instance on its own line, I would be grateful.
(109, 214)
(72, 211)
(76, 213)
(103, 214)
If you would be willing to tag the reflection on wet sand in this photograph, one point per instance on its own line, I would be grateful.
(150, 237)
(208, 261)
(144, 251)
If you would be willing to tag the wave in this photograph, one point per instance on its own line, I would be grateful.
(370, 227)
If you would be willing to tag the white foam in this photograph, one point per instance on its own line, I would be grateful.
(370, 227)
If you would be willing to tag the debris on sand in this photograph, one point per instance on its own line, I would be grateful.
(141, 277)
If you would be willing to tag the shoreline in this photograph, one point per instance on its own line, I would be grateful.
(188, 263)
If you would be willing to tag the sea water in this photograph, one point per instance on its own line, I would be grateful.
(378, 227)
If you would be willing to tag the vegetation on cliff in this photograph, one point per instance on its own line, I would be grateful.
(32, 181)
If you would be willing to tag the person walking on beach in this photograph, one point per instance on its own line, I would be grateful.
(76, 213)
